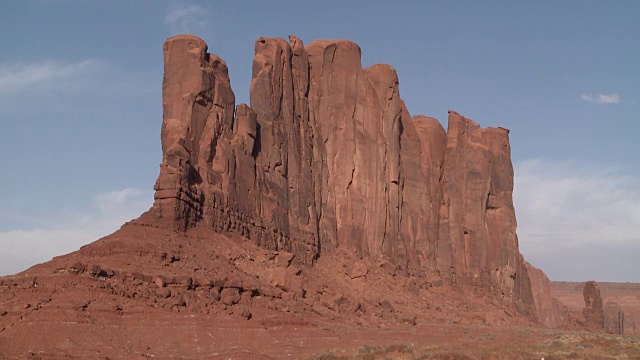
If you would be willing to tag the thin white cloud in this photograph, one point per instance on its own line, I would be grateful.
(62, 85)
(570, 214)
(601, 98)
(185, 18)
(22, 248)
(20, 76)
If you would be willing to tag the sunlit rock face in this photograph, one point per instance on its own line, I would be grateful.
(327, 156)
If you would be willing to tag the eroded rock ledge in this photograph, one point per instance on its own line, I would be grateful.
(326, 156)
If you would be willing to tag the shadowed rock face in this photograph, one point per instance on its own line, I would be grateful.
(328, 156)
(549, 310)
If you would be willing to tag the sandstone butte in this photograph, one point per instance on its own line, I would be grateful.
(324, 200)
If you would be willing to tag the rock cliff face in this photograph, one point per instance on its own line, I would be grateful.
(328, 156)
(550, 311)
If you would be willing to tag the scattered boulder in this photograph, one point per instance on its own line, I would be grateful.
(245, 297)
(214, 293)
(388, 268)
(386, 305)
(78, 267)
(283, 259)
(246, 313)
(161, 281)
(230, 296)
(358, 269)
(185, 281)
(163, 292)
(279, 277)
(179, 301)
(75, 304)
(233, 283)
(410, 319)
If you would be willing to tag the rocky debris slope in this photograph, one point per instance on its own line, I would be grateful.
(327, 156)
(143, 290)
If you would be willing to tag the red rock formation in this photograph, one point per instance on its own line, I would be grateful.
(328, 156)
(423, 145)
(592, 312)
(478, 241)
(549, 311)
(357, 213)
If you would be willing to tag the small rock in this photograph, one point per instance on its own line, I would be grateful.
(163, 292)
(295, 285)
(245, 298)
(433, 280)
(230, 296)
(409, 319)
(308, 301)
(198, 282)
(138, 276)
(386, 305)
(356, 307)
(284, 259)
(179, 301)
(279, 277)
(233, 283)
(161, 281)
(95, 270)
(294, 271)
(322, 311)
(246, 313)
(214, 294)
(358, 269)
(78, 267)
(79, 304)
(184, 280)
(250, 286)
(339, 301)
(265, 291)
(190, 301)
(388, 268)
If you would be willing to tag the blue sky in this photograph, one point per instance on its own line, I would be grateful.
(80, 108)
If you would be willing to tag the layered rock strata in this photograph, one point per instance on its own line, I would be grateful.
(327, 156)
